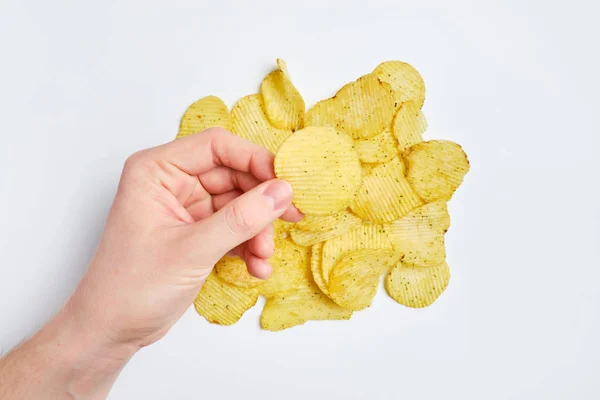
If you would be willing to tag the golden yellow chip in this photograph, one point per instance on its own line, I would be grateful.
(385, 194)
(406, 81)
(291, 268)
(281, 229)
(354, 280)
(409, 125)
(435, 169)
(250, 122)
(420, 235)
(233, 270)
(380, 148)
(362, 108)
(322, 168)
(295, 307)
(222, 303)
(284, 105)
(315, 267)
(205, 113)
(366, 237)
(367, 168)
(417, 287)
(323, 228)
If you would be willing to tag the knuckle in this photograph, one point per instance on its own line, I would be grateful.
(237, 220)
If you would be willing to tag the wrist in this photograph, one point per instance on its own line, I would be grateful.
(91, 359)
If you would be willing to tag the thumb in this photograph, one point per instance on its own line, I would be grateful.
(243, 218)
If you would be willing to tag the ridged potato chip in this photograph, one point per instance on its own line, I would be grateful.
(281, 229)
(316, 259)
(366, 237)
(420, 235)
(314, 229)
(295, 307)
(367, 168)
(283, 103)
(435, 169)
(250, 122)
(233, 270)
(417, 287)
(291, 268)
(385, 194)
(322, 167)
(355, 278)
(205, 113)
(222, 303)
(409, 125)
(362, 108)
(380, 148)
(405, 81)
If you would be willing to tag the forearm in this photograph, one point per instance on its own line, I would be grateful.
(65, 360)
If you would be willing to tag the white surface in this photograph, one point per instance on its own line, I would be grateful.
(84, 84)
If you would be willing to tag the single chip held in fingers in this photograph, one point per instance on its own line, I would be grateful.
(355, 278)
(405, 81)
(420, 235)
(435, 169)
(417, 287)
(385, 195)
(284, 106)
(362, 108)
(409, 125)
(208, 112)
(322, 167)
(222, 303)
(250, 122)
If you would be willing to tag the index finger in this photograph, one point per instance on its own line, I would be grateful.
(201, 152)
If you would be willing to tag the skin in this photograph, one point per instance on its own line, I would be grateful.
(179, 208)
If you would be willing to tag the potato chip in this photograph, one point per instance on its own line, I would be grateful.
(222, 303)
(295, 307)
(284, 106)
(380, 148)
(385, 195)
(417, 287)
(322, 168)
(405, 81)
(420, 235)
(315, 267)
(366, 237)
(323, 228)
(362, 108)
(205, 113)
(233, 270)
(250, 122)
(281, 229)
(409, 125)
(354, 280)
(291, 268)
(435, 169)
(367, 168)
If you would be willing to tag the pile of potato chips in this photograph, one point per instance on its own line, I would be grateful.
(373, 191)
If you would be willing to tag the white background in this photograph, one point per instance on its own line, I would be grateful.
(84, 84)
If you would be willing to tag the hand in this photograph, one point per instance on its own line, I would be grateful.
(179, 208)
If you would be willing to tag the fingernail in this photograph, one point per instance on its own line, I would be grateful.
(280, 193)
